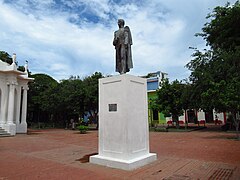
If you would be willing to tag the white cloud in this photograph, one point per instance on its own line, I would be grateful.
(162, 32)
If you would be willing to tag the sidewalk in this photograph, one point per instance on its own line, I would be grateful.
(63, 154)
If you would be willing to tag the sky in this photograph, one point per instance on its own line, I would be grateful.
(74, 37)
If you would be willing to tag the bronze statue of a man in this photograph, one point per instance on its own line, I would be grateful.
(122, 42)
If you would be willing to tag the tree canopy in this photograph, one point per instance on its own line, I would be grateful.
(216, 72)
(169, 99)
(58, 102)
(5, 57)
(38, 104)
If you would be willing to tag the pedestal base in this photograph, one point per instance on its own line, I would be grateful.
(123, 164)
(22, 128)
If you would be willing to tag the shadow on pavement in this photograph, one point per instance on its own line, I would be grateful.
(85, 158)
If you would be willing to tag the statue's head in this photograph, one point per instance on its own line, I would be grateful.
(121, 22)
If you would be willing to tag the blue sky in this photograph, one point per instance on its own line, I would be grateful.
(74, 37)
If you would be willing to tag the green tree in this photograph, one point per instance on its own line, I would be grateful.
(40, 106)
(169, 99)
(5, 57)
(188, 99)
(21, 68)
(201, 80)
(71, 96)
(216, 72)
(57, 103)
(91, 93)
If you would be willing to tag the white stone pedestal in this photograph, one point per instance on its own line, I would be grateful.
(123, 123)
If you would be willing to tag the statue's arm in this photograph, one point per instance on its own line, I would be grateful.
(115, 40)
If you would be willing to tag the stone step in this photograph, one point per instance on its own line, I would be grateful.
(4, 133)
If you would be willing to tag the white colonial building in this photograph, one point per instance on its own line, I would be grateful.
(13, 97)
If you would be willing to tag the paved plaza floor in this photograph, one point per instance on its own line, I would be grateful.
(63, 154)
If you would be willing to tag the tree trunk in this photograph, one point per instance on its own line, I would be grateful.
(186, 119)
(237, 131)
(175, 119)
(236, 123)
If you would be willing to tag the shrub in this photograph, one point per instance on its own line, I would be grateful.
(83, 129)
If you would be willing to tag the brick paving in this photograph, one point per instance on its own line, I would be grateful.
(62, 154)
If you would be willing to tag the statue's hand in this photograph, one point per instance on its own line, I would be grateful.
(115, 41)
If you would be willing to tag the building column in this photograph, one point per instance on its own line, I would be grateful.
(1, 108)
(24, 105)
(22, 126)
(11, 104)
(18, 98)
(10, 127)
(4, 107)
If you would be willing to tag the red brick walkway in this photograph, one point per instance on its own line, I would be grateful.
(56, 154)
